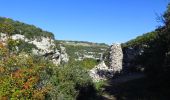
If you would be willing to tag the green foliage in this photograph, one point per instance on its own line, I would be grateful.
(106, 57)
(20, 76)
(6, 27)
(12, 44)
(99, 85)
(167, 16)
(75, 51)
(68, 81)
(29, 31)
(25, 76)
(25, 46)
(85, 43)
(87, 63)
(156, 57)
(144, 39)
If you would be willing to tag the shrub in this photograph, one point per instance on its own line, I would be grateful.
(21, 76)
(68, 81)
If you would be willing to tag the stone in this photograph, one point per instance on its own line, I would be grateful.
(116, 58)
(63, 54)
(45, 47)
(101, 72)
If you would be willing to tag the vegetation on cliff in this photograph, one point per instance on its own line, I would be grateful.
(141, 40)
(26, 76)
(78, 50)
(29, 31)
(84, 54)
(156, 56)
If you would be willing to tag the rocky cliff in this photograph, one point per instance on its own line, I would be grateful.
(42, 43)
(32, 40)
(44, 46)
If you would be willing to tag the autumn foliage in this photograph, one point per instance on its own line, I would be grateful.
(20, 76)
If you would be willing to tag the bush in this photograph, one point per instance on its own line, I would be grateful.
(25, 76)
(68, 82)
(21, 77)
(88, 63)
(29, 31)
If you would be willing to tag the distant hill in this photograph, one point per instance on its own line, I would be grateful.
(79, 50)
(141, 40)
(81, 43)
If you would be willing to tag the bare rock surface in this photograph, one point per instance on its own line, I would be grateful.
(116, 57)
(45, 47)
(102, 72)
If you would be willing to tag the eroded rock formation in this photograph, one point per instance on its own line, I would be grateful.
(45, 47)
(102, 72)
(116, 58)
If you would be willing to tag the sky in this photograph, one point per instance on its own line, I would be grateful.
(102, 21)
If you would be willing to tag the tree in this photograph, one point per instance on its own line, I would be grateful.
(7, 28)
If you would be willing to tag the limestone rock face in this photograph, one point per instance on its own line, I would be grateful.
(45, 47)
(101, 72)
(63, 54)
(116, 57)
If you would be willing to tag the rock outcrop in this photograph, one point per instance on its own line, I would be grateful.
(116, 58)
(101, 72)
(45, 47)
(63, 54)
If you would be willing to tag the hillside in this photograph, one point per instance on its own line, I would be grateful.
(31, 39)
(79, 50)
(81, 43)
(35, 66)
(143, 39)
(29, 31)
(32, 66)
(151, 53)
